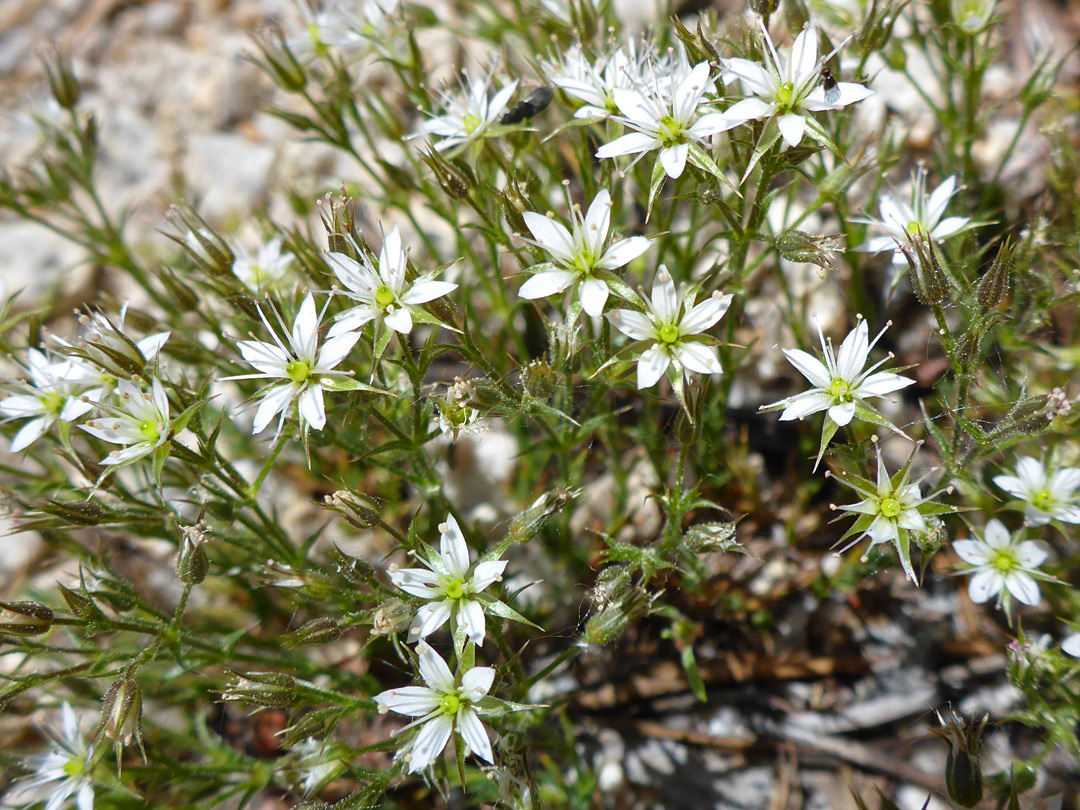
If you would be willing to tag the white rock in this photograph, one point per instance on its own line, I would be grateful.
(228, 173)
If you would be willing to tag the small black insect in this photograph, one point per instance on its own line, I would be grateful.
(533, 104)
(832, 89)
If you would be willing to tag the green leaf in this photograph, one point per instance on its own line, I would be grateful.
(689, 665)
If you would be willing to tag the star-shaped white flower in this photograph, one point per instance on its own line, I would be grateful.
(142, 425)
(450, 586)
(595, 84)
(901, 219)
(840, 382)
(580, 254)
(441, 706)
(670, 122)
(1001, 562)
(890, 510)
(674, 328)
(52, 394)
(469, 117)
(1046, 496)
(787, 90)
(382, 291)
(60, 773)
(298, 371)
(264, 269)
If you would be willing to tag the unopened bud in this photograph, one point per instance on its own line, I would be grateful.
(972, 16)
(963, 774)
(323, 630)
(611, 583)
(764, 8)
(62, 82)
(192, 565)
(453, 178)
(392, 616)
(81, 606)
(877, 26)
(24, 618)
(280, 63)
(613, 619)
(208, 250)
(121, 712)
(272, 690)
(928, 280)
(359, 511)
(540, 379)
(512, 212)
(993, 286)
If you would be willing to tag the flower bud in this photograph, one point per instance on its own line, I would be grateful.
(764, 8)
(799, 246)
(208, 250)
(972, 16)
(454, 178)
(81, 606)
(610, 622)
(121, 712)
(25, 618)
(512, 212)
(993, 286)
(963, 774)
(540, 379)
(392, 616)
(338, 215)
(928, 280)
(272, 690)
(877, 26)
(323, 630)
(192, 565)
(62, 83)
(359, 511)
(611, 583)
(280, 64)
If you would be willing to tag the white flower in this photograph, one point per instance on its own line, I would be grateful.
(670, 122)
(382, 291)
(441, 706)
(840, 383)
(901, 219)
(51, 395)
(889, 510)
(446, 581)
(265, 269)
(596, 84)
(579, 254)
(470, 117)
(342, 24)
(142, 428)
(1070, 645)
(789, 89)
(1046, 497)
(1001, 561)
(299, 370)
(672, 326)
(59, 774)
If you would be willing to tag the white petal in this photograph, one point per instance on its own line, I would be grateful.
(689, 91)
(802, 64)
(335, 349)
(352, 319)
(853, 351)
(1032, 554)
(699, 358)
(400, 320)
(995, 535)
(485, 573)
(882, 383)
(427, 291)
(651, 367)
(802, 405)
(984, 585)
(414, 701)
(939, 199)
(598, 221)
(633, 105)
(453, 549)
(1023, 587)
(1031, 472)
(749, 109)
(1064, 483)
(84, 799)
(305, 329)
(430, 742)
(1070, 645)
(842, 413)
(474, 734)
(433, 669)
(753, 76)
(810, 367)
(912, 520)
(429, 618)
(549, 282)
(392, 260)
(947, 227)
(311, 406)
(673, 159)
(1014, 486)
(418, 582)
(704, 315)
(633, 324)
(552, 236)
(972, 551)
(629, 144)
(665, 300)
(470, 620)
(623, 252)
(594, 295)
(266, 357)
(271, 405)
(476, 683)
(792, 126)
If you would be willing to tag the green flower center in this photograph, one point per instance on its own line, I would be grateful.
(75, 767)
(451, 704)
(671, 131)
(298, 371)
(839, 390)
(785, 95)
(1043, 500)
(890, 507)
(384, 296)
(668, 333)
(914, 226)
(151, 431)
(1005, 561)
(455, 590)
(53, 402)
(472, 123)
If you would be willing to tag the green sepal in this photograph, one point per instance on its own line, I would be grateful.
(678, 386)
(942, 444)
(769, 137)
(503, 610)
(658, 175)
(161, 452)
(181, 421)
(868, 414)
(828, 430)
(693, 676)
(337, 383)
(699, 158)
(619, 287)
(467, 660)
(903, 550)
(574, 123)
(382, 336)
(421, 315)
(818, 133)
